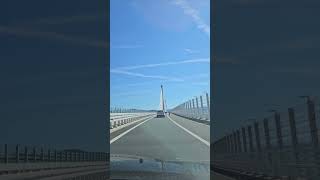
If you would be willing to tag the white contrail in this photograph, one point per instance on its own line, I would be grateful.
(190, 61)
(190, 11)
(145, 76)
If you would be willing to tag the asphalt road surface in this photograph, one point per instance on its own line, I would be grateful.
(169, 138)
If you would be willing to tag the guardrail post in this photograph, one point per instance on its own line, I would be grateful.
(244, 139)
(193, 108)
(293, 129)
(231, 143)
(42, 154)
(49, 155)
(227, 144)
(278, 128)
(239, 141)
(6, 153)
(258, 166)
(34, 154)
(60, 156)
(267, 133)
(229, 149)
(198, 113)
(185, 108)
(17, 153)
(26, 154)
(208, 105)
(256, 129)
(201, 105)
(235, 142)
(189, 108)
(268, 145)
(66, 156)
(217, 146)
(250, 138)
(312, 122)
(55, 155)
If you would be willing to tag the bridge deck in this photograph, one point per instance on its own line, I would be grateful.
(161, 138)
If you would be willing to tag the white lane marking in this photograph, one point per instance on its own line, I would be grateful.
(191, 133)
(127, 131)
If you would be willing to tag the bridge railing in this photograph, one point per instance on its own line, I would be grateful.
(120, 119)
(33, 154)
(197, 108)
(283, 144)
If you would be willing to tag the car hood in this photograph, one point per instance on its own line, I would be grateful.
(128, 163)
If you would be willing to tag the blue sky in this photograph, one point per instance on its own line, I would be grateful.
(158, 42)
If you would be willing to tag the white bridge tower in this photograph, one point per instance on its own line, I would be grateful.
(162, 104)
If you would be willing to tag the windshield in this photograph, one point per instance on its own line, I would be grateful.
(160, 69)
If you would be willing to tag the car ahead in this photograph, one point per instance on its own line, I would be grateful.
(160, 114)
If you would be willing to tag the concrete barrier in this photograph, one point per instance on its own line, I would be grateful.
(121, 119)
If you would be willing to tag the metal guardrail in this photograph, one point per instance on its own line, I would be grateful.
(197, 108)
(284, 144)
(29, 154)
(119, 119)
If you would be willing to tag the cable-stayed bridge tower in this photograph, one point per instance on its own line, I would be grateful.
(162, 104)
